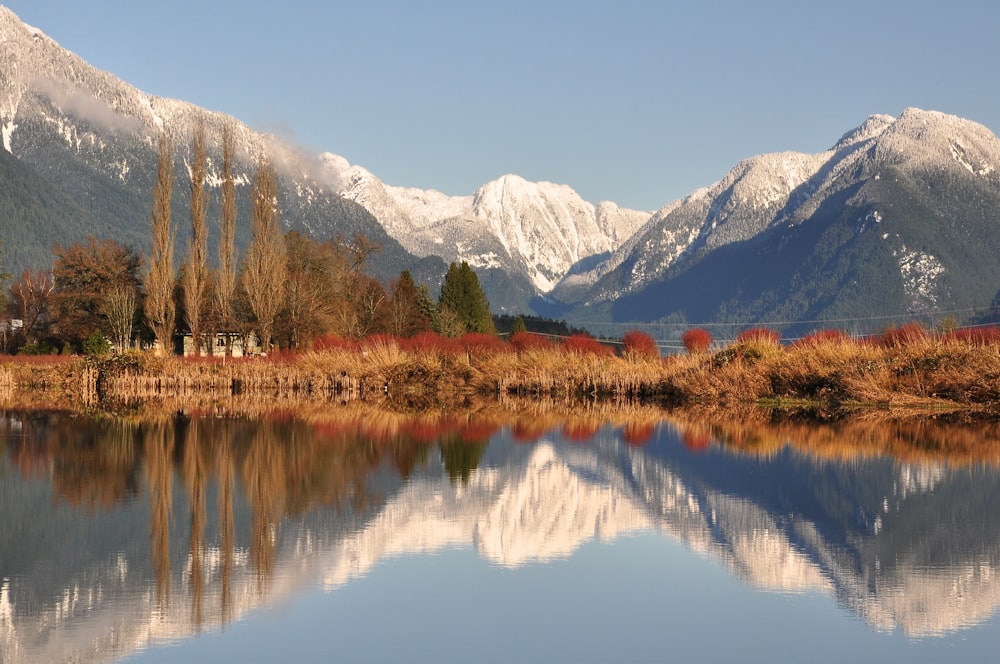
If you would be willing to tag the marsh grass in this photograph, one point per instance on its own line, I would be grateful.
(905, 368)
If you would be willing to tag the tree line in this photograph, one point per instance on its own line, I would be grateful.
(288, 289)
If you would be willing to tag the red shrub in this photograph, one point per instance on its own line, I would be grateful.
(477, 342)
(820, 337)
(697, 340)
(585, 344)
(332, 342)
(976, 336)
(640, 344)
(760, 335)
(424, 341)
(901, 336)
(522, 341)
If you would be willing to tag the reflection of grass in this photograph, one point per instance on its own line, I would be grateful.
(906, 367)
(909, 436)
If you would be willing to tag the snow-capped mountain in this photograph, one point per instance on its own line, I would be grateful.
(537, 228)
(93, 137)
(897, 218)
(90, 138)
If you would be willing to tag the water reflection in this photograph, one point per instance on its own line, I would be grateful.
(118, 535)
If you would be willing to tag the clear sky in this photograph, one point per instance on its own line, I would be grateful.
(638, 102)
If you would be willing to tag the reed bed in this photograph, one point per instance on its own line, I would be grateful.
(827, 371)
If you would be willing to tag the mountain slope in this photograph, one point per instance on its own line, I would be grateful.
(898, 219)
(92, 138)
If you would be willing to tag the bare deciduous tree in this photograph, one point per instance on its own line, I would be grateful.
(32, 294)
(264, 268)
(226, 282)
(160, 309)
(119, 305)
(195, 271)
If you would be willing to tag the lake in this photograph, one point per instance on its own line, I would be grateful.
(368, 538)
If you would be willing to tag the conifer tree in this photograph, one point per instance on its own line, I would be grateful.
(462, 295)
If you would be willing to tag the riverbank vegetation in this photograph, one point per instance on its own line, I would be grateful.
(828, 372)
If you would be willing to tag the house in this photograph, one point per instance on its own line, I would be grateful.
(214, 344)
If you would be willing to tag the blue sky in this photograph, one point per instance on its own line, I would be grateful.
(634, 102)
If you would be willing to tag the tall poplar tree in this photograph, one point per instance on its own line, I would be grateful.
(160, 309)
(226, 282)
(264, 268)
(195, 270)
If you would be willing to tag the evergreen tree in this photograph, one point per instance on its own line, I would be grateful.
(462, 294)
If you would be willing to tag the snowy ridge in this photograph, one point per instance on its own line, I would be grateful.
(539, 228)
(772, 191)
(535, 229)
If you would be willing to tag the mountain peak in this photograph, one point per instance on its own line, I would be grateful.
(870, 128)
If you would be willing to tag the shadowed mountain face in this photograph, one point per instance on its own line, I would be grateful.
(896, 220)
(120, 535)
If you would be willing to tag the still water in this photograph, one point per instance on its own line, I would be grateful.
(281, 538)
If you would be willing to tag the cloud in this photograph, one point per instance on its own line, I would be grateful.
(83, 105)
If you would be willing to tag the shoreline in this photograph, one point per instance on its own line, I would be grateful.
(830, 378)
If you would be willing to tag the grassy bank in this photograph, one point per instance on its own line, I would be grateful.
(832, 372)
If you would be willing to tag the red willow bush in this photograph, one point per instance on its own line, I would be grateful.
(975, 336)
(585, 344)
(522, 341)
(697, 340)
(640, 345)
(904, 335)
(820, 337)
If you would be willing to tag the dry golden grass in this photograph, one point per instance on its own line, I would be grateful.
(836, 372)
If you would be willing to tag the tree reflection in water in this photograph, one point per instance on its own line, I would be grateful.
(356, 483)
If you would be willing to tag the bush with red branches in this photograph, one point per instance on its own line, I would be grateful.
(697, 340)
(522, 341)
(975, 336)
(332, 342)
(904, 335)
(585, 344)
(483, 344)
(640, 345)
(820, 337)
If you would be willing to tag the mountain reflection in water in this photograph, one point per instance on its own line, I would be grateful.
(118, 535)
